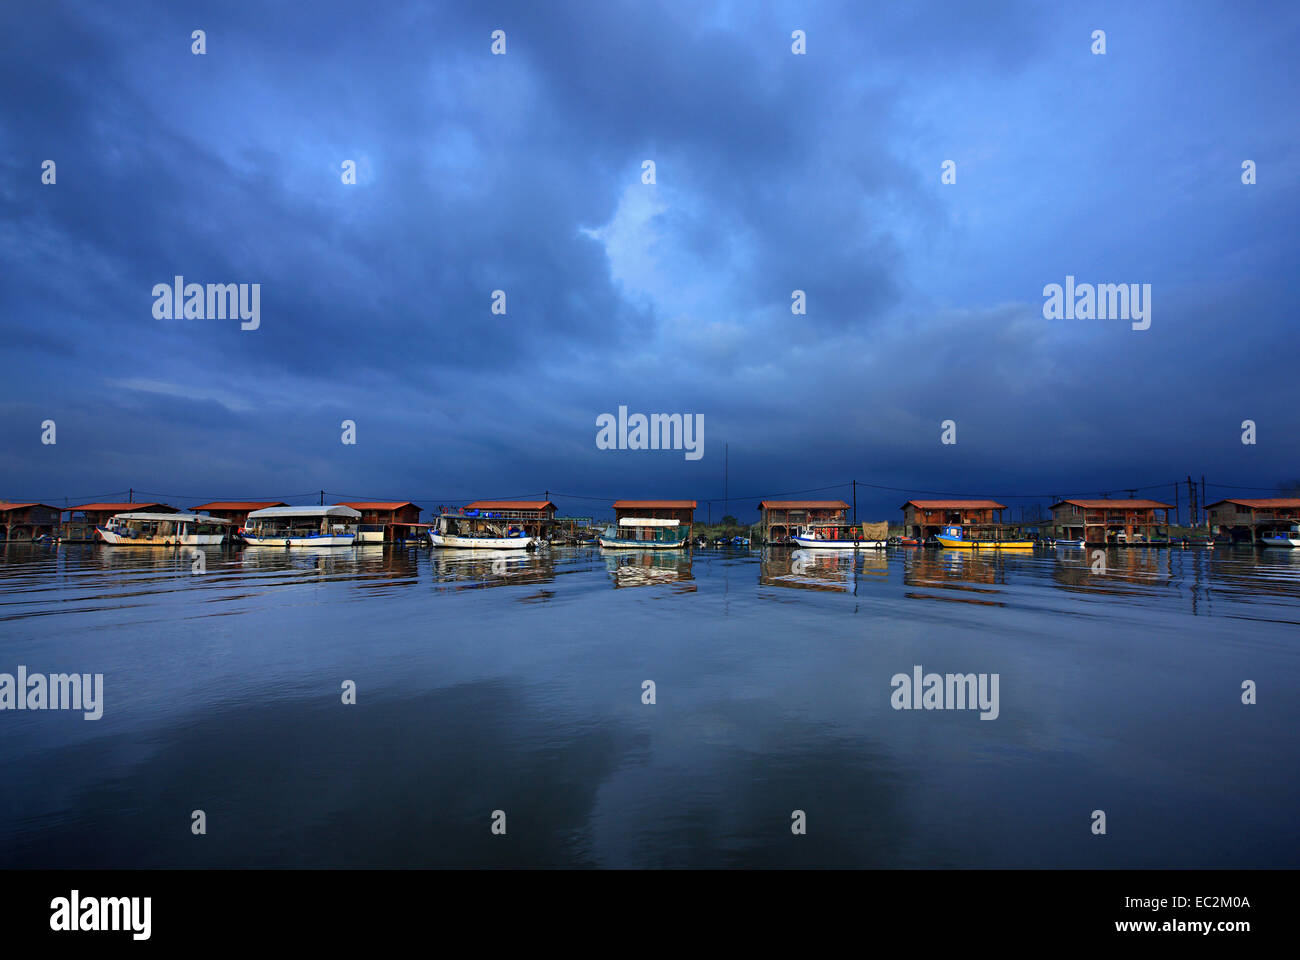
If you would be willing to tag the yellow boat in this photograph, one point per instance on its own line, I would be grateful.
(952, 539)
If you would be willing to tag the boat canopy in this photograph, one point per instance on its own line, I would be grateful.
(183, 517)
(337, 510)
(647, 522)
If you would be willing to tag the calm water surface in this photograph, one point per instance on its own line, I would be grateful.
(514, 683)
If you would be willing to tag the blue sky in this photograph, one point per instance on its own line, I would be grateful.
(522, 172)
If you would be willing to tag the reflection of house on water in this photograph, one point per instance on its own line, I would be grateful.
(833, 570)
(956, 572)
(1123, 570)
(642, 568)
(472, 569)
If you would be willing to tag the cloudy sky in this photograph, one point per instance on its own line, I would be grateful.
(522, 172)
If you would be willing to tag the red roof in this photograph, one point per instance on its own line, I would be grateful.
(22, 506)
(1262, 503)
(381, 505)
(1118, 504)
(957, 504)
(240, 505)
(653, 504)
(509, 505)
(116, 507)
(803, 505)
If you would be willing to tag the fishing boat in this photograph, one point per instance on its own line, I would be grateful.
(473, 530)
(163, 529)
(953, 538)
(646, 533)
(835, 537)
(1285, 537)
(325, 526)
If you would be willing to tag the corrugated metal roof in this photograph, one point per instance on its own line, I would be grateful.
(240, 504)
(331, 510)
(957, 504)
(652, 504)
(803, 505)
(381, 505)
(1260, 503)
(116, 507)
(509, 505)
(23, 506)
(1117, 504)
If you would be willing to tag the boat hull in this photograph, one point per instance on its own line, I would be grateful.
(1280, 541)
(615, 543)
(333, 540)
(807, 543)
(181, 540)
(953, 543)
(480, 543)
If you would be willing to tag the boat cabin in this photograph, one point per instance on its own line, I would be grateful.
(164, 529)
(325, 526)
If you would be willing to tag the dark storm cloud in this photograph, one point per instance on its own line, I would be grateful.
(522, 173)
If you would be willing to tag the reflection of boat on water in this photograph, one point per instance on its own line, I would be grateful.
(832, 570)
(492, 567)
(645, 533)
(163, 530)
(636, 568)
(952, 538)
(325, 526)
(474, 531)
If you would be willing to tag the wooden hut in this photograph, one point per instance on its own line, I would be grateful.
(923, 519)
(1242, 520)
(536, 517)
(385, 521)
(27, 521)
(681, 510)
(236, 511)
(78, 523)
(1111, 522)
(780, 519)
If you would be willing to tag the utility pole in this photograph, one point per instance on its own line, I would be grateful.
(726, 476)
(322, 498)
(130, 495)
(1191, 501)
(1178, 510)
(855, 503)
(1203, 501)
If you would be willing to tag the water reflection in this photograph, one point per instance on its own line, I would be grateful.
(462, 569)
(834, 570)
(647, 568)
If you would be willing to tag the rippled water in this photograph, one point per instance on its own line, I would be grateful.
(514, 683)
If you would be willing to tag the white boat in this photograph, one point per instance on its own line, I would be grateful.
(1068, 543)
(834, 538)
(645, 533)
(163, 529)
(471, 532)
(1286, 537)
(329, 526)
